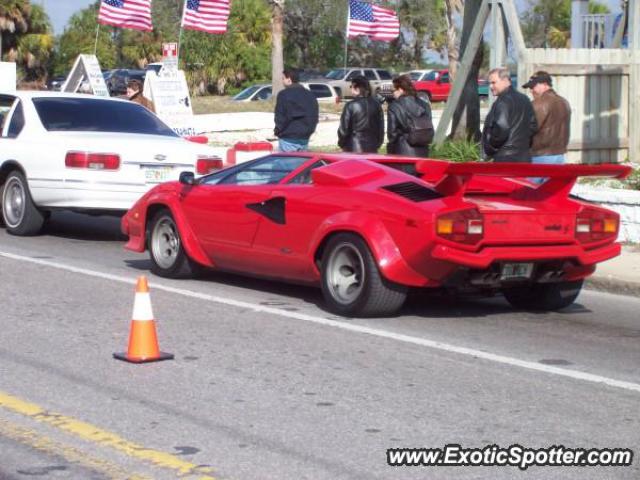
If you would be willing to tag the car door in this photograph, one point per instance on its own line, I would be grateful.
(442, 87)
(225, 209)
(281, 248)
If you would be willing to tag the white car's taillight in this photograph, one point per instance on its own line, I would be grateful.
(206, 165)
(94, 161)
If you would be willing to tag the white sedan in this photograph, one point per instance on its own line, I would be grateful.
(323, 92)
(83, 153)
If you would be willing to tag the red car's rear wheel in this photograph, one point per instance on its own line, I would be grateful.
(544, 296)
(351, 282)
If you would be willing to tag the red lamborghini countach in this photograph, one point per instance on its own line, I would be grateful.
(366, 228)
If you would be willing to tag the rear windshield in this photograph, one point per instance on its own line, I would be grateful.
(97, 115)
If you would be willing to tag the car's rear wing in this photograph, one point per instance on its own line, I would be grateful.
(453, 178)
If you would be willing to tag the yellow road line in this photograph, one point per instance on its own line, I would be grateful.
(71, 454)
(103, 438)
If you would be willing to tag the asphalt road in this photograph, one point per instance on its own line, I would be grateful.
(267, 385)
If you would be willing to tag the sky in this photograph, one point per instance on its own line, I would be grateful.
(60, 11)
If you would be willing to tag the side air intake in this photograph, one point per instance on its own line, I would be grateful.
(413, 191)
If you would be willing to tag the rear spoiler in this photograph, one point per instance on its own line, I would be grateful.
(452, 178)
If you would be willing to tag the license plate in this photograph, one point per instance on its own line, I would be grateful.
(156, 174)
(512, 271)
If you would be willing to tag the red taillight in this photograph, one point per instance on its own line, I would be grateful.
(206, 165)
(94, 161)
(594, 224)
(463, 226)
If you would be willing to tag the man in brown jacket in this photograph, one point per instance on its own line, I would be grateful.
(553, 115)
(134, 93)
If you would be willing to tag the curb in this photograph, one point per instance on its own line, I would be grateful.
(613, 285)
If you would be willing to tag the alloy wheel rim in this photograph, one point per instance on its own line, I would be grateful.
(346, 273)
(14, 200)
(165, 243)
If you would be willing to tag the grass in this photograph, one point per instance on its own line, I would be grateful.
(219, 104)
(457, 151)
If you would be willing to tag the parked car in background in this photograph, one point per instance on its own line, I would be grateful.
(118, 79)
(435, 86)
(417, 75)
(155, 66)
(84, 153)
(340, 79)
(324, 92)
(55, 83)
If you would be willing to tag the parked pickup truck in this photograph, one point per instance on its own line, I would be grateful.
(340, 78)
(435, 86)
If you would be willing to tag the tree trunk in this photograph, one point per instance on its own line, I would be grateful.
(452, 47)
(466, 118)
(277, 56)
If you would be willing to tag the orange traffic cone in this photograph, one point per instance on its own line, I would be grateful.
(143, 342)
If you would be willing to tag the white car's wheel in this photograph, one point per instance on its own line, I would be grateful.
(351, 282)
(168, 258)
(20, 214)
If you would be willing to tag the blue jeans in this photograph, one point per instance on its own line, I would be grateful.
(546, 160)
(292, 145)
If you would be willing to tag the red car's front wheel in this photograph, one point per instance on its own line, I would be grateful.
(168, 258)
(351, 282)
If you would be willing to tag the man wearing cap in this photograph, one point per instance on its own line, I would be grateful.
(510, 124)
(553, 115)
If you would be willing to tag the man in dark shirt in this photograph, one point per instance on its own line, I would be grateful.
(296, 115)
(511, 122)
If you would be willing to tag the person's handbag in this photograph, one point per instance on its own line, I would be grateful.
(421, 132)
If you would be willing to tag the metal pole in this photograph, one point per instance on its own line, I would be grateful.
(346, 37)
(95, 46)
(184, 11)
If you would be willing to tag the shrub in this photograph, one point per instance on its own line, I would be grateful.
(457, 151)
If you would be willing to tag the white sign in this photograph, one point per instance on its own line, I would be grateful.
(7, 76)
(170, 96)
(86, 77)
(170, 55)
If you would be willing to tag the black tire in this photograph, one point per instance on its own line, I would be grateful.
(168, 257)
(544, 296)
(426, 96)
(21, 216)
(346, 259)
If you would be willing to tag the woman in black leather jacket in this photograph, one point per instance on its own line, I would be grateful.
(362, 121)
(401, 117)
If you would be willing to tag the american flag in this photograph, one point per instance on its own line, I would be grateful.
(375, 22)
(134, 14)
(210, 16)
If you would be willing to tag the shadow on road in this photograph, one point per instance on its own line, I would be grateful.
(77, 226)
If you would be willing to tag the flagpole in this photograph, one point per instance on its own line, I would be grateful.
(184, 11)
(95, 45)
(346, 36)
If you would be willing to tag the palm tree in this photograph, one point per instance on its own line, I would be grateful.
(453, 50)
(277, 55)
(13, 18)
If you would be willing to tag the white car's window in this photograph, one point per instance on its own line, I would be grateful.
(336, 74)
(370, 75)
(384, 74)
(97, 115)
(246, 93)
(6, 103)
(353, 74)
(265, 171)
(16, 124)
(320, 90)
(264, 94)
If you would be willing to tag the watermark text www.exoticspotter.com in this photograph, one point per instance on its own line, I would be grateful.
(454, 455)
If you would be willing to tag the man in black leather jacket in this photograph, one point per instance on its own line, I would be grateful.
(296, 115)
(511, 122)
(362, 122)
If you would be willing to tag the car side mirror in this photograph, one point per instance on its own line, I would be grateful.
(187, 178)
